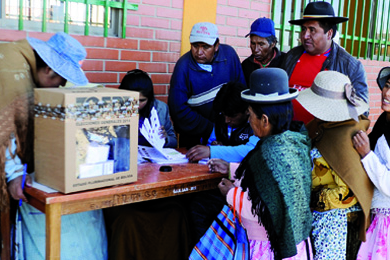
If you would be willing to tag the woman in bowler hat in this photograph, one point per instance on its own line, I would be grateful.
(275, 175)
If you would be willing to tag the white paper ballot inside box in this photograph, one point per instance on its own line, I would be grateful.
(97, 153)
(88, 170)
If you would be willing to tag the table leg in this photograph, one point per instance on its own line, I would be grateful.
(53, 231)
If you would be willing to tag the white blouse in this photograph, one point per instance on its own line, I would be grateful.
(377, 165)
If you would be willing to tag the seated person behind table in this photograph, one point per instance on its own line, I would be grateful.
(232, 137)
(138, 80)
(156, 229)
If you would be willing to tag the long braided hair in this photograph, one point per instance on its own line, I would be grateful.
(280, 116)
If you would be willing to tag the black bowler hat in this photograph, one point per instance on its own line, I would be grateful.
(319, 11)
(269, 86)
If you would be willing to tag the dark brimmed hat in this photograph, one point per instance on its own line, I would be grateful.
(383, 75)
(319, 11)
(269, 86)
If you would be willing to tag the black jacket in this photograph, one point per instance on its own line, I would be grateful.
(237, 137)
(248, 65)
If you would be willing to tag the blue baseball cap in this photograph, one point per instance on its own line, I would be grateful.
(63, 54)
(262, 27)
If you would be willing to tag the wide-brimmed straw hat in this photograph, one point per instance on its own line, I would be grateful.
(269, 86)
(332, 98)
(319, 11)
(63, 54)
(383, 75)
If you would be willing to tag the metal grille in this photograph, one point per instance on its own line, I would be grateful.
(87, 13)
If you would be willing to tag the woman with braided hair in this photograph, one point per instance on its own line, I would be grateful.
(275, 175)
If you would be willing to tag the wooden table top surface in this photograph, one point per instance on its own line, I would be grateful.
(149, 179)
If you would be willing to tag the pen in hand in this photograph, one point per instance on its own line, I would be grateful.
(23, 181)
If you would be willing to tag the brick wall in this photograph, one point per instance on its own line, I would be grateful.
(372, 69)
(153, 43)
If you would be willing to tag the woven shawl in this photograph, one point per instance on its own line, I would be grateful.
(17, 74)
(334, 141)
(280, 168)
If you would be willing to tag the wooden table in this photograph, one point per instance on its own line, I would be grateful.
(151, 184)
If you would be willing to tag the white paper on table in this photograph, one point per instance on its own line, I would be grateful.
(165, 155)
(43, 187)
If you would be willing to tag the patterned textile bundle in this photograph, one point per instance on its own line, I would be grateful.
(17, 69)
(277, 174)
(225, 239)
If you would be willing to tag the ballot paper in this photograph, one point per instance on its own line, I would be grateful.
(158, 154)
(164, 155)
(150, 130)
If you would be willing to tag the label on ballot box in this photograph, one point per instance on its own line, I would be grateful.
(85, 138)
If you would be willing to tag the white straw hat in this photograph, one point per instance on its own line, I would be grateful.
(332, 98)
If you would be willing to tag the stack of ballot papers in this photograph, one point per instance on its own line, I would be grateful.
(157, 153)
(166, 155)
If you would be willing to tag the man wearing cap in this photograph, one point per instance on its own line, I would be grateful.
(263, 46)
(25, 65)
(319, 52)
(196, 78)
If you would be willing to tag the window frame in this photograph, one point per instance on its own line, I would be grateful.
(118, 13)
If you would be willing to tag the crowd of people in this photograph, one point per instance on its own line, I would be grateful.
(290, 129)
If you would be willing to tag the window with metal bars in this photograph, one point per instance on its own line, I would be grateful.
(88, 17)
(365, 35)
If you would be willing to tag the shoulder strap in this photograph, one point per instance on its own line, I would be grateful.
(234, 203)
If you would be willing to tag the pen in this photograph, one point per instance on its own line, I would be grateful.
(147, 159)
(23, 181)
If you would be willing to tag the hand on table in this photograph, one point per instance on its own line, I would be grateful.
(198, 152)
(218, 165)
